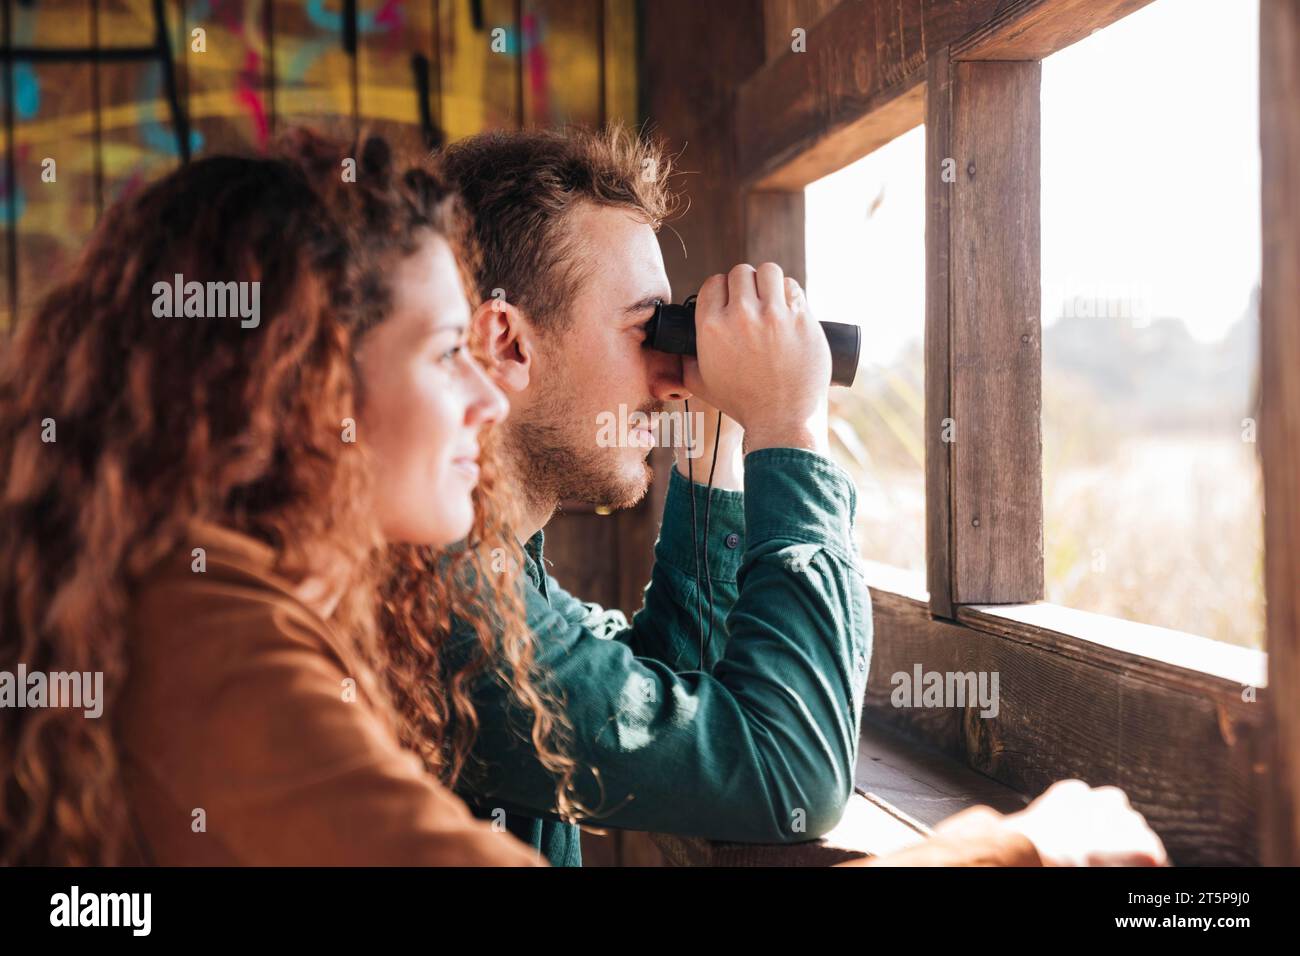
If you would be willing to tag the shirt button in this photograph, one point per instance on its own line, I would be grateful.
(732, 540)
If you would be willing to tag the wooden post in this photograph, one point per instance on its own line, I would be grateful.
(1280, 416)
(994, 348)
(940, 168)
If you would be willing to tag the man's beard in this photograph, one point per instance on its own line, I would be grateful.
(556, 457)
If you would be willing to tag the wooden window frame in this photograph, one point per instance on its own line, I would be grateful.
(1186, 726)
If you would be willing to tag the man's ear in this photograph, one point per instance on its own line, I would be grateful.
(502, 337)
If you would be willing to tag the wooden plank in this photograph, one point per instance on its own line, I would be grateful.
(774, 231)
(694, 55)
(782, 17)
(900, 36)
(802, 113)
(938, 336)
(571, 541)
(600, 847)
(562, 62)
(818, 91)
(1280, 427)
(901, 111)
(860, 58)
(638, 849)
(1035, 29)
(997, 514)
(707, 236)
(921, 782)
(1189, 759)
(1172, 658)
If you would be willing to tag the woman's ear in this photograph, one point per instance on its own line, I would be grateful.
(501, 337)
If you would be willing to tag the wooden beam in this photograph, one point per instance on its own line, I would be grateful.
(856, 86)
(938, 335)
(898, 112)
(814, 108)
(693, 56)
(1170, 658)
(1280, 425)
(996, 360)
(1188, 755)
(782, 17)
(1035, 29)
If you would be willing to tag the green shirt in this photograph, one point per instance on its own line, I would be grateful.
(757, 746)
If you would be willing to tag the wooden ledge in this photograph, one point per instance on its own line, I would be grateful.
(901, 788)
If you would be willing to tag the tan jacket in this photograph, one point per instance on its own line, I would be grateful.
(238, 744)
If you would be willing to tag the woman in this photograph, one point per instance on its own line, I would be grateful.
(204, 507)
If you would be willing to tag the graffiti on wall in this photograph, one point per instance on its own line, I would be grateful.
(104, 95)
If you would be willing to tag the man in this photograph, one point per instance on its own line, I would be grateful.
(755, 738)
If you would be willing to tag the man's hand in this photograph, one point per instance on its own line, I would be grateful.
(1073, 824)
(762, 358)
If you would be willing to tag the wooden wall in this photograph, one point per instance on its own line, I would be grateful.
(1280, 375)
(757, 121)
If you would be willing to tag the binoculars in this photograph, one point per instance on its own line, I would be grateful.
(672, 329)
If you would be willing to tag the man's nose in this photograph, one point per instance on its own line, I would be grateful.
(666, 379)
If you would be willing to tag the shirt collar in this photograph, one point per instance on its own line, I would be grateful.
(534, 563)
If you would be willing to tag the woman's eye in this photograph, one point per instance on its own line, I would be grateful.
(451, 354)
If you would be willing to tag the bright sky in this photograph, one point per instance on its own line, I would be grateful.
(1150, 184)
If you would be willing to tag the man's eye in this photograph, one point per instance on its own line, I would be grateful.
(451, 354)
